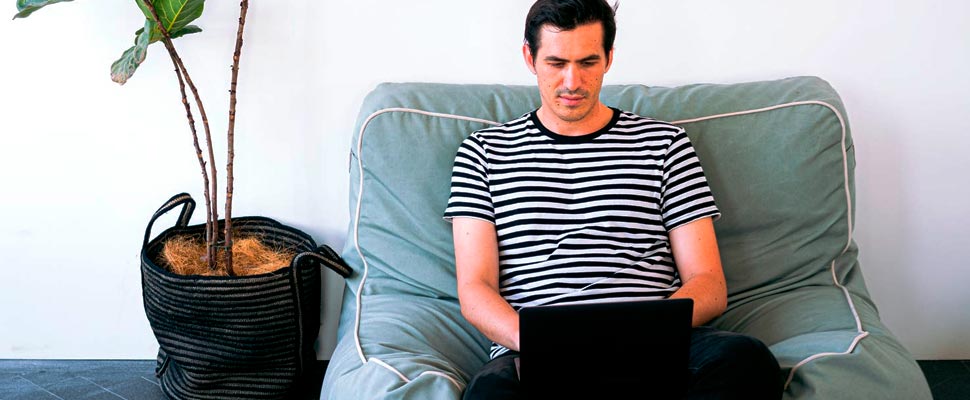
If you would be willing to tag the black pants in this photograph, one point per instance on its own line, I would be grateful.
(723, 365)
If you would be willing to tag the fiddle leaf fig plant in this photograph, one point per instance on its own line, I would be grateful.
(166, 20)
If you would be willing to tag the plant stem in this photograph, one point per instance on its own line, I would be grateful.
(210, 227)
(243, 9)
(211, 196)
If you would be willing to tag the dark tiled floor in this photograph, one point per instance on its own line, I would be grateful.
(115, 379)
(948, 379)
(96, 380)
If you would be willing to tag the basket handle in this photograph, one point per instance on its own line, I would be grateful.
(328, 258)
(181, 199)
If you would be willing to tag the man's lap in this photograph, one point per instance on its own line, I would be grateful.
(722, 365)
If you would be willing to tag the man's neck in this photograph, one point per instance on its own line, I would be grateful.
(599, 117)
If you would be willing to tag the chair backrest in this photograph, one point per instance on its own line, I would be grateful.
(778, 156)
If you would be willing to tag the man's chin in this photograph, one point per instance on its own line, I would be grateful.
(572, 114)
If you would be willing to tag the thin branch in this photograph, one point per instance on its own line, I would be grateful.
(211, 199)
(243, 9)
(210, 227)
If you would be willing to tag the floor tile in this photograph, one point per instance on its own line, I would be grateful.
(940, 372)
(137, 388)
(102, 379)
(47, 377)
(954, 389)
(79, 388)
(35, 394)
(19, 388)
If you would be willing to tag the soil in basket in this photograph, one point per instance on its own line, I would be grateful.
(185, 255)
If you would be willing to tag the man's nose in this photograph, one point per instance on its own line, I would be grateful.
(571, 78)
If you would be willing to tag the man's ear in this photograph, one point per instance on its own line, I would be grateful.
(529, 60)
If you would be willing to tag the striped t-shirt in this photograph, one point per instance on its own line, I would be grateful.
(581, 219)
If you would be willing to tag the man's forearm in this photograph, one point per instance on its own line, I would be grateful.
(709, 295)
(491, 314)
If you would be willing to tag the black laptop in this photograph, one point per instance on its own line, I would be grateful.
(615, 350)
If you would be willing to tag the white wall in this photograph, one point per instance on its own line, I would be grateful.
(85, 162)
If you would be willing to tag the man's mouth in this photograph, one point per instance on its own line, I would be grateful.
(571, 100)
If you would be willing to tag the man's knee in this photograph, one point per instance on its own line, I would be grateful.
(761, 376)
(736, 366)
(497, 379)
(751, 354)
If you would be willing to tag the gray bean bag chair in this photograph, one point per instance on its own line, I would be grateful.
(779, 158)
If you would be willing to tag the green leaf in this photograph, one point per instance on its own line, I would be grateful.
(187, 30)
(124, 67)
(174, 14)
(27, 7)
(157, 34)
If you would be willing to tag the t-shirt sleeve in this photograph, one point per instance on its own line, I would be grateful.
(685, 195)
(470, 196)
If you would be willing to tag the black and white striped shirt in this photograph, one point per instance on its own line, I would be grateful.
(581, 219)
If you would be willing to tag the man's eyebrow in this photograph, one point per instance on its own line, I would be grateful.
(594, 57)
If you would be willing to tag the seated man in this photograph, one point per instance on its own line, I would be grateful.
(579, 202)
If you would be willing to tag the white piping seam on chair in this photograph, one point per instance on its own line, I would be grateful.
(855, 341)
(380, 362)
(848, 196)
(404, 378)
(446, 376)
(360, 194)
(845, 160)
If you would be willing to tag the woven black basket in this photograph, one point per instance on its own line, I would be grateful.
(242, 337)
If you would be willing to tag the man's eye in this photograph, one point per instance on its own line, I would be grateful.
(589, 63)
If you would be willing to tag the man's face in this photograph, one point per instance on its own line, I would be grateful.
(570, 66)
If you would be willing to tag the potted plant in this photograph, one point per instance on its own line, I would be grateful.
(234, 303)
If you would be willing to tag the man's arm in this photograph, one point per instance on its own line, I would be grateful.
(699, 264)
(476, 260)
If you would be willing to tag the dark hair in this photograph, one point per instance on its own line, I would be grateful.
(567, 15)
